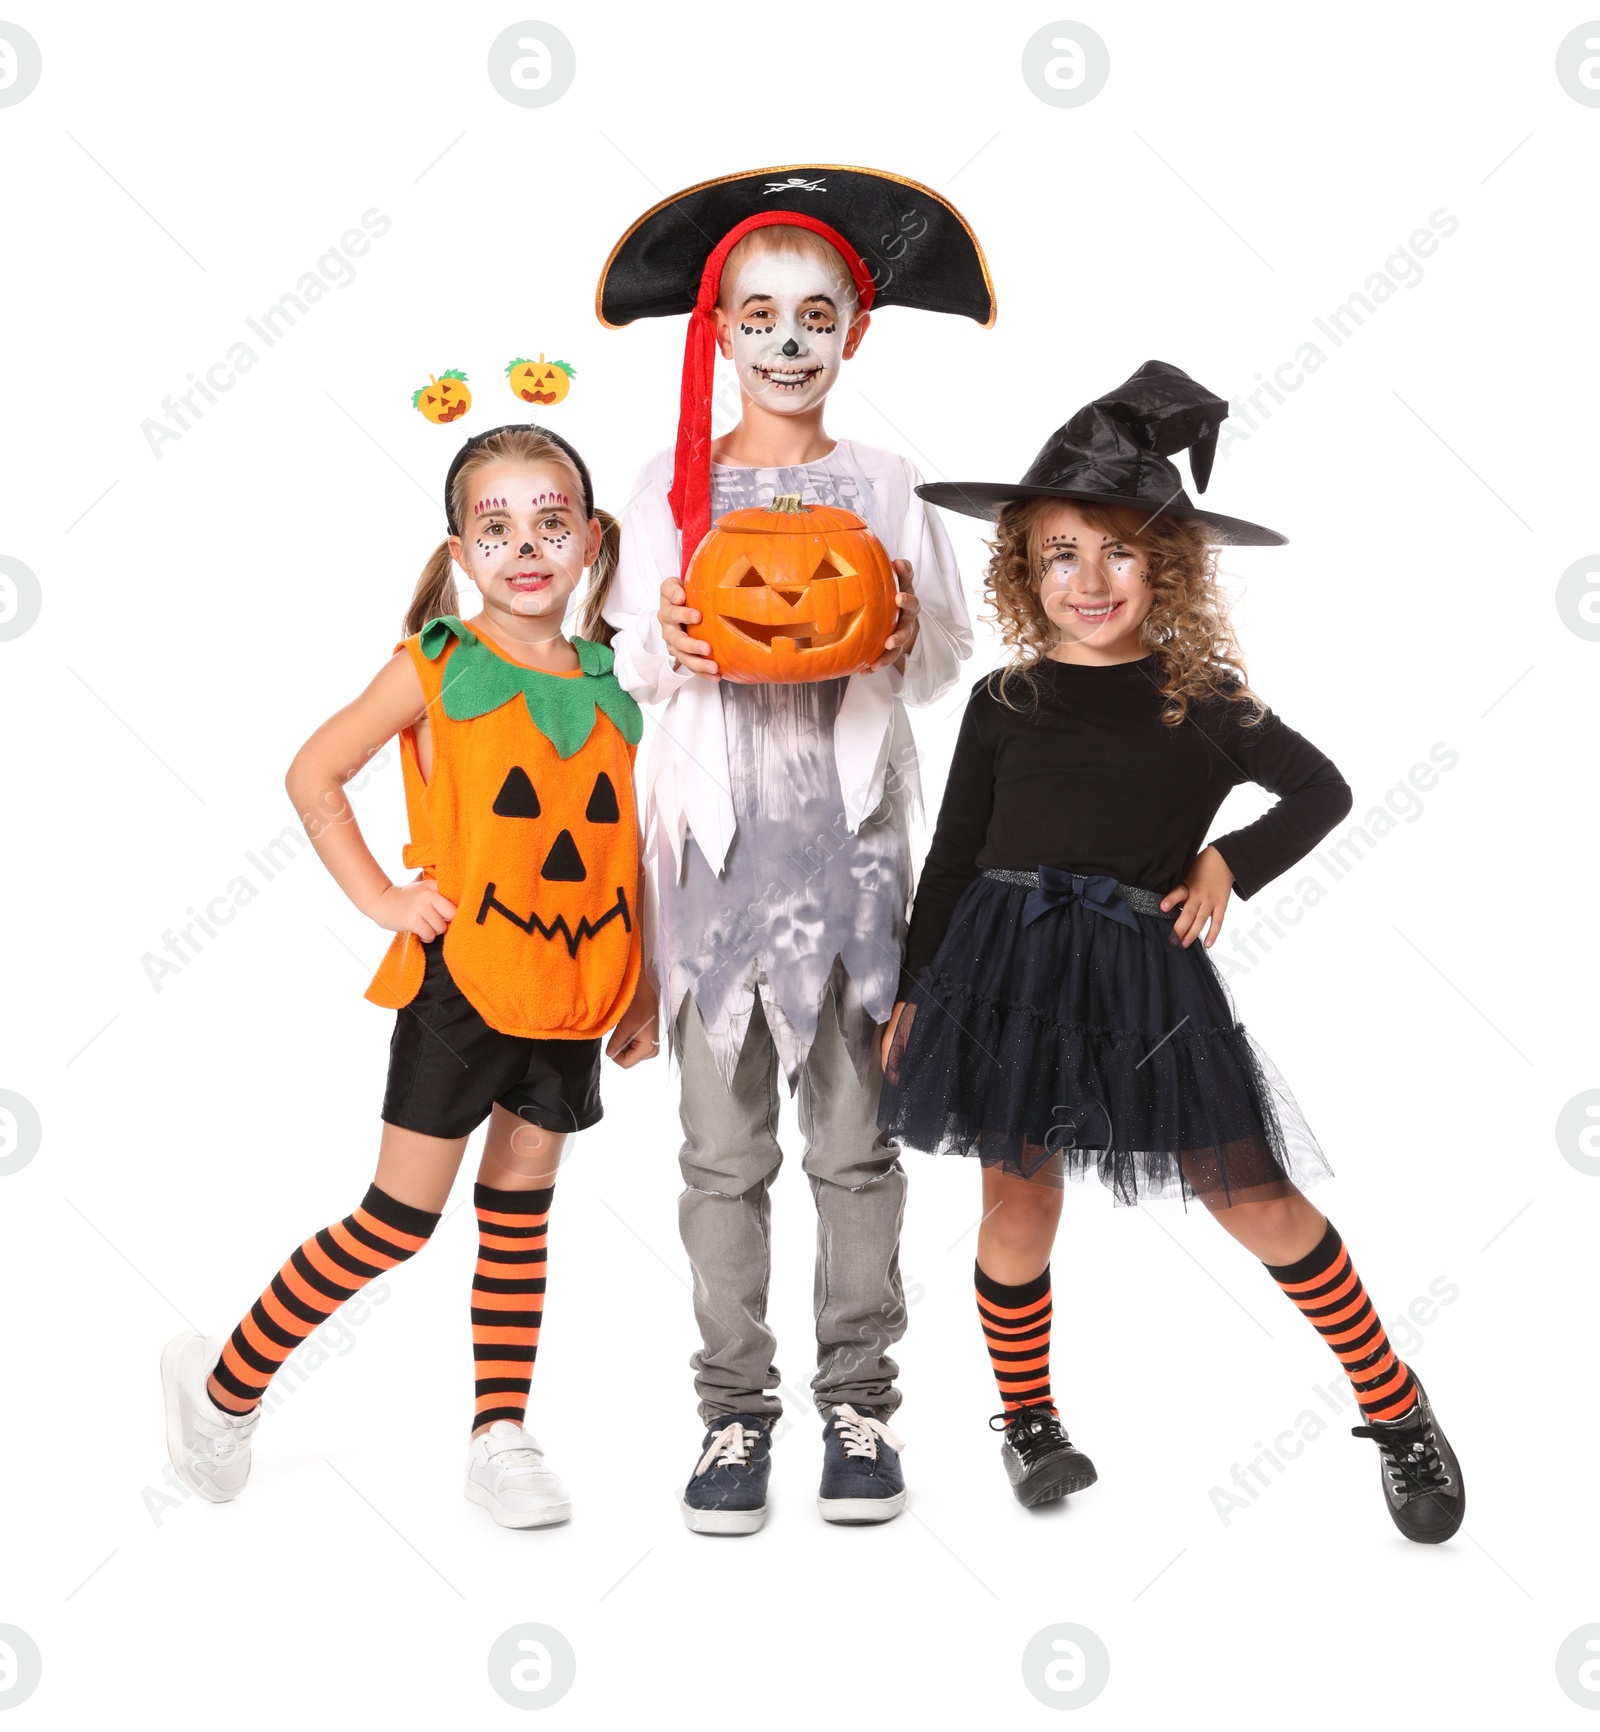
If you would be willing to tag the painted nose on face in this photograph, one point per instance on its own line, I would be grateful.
(525, 549)
(791, 347)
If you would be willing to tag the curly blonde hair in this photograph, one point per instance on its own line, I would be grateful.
(1187, 629)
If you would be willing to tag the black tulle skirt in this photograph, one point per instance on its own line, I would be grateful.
(1078, 1043)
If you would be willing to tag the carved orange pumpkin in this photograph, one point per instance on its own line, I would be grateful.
(790, 593)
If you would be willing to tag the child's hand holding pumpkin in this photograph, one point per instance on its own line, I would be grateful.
(416, 907)
(634, 1038)
(674, 615)
(898, 645)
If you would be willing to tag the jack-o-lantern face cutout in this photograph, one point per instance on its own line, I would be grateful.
(563, 863)
(526, 823)
(540, 381)
(444, 399)
(791, 593)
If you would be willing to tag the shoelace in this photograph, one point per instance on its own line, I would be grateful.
(1032, 1431)
(729, 1447)
(861, 1433)
(1411, 1457)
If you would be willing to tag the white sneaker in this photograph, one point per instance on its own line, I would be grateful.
(506, 1475)
(209, 1448)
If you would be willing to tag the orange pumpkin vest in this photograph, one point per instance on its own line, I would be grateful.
(538, 851)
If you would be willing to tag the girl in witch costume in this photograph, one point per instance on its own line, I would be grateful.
(517, 946)
(778, 815)
(1059, 1014)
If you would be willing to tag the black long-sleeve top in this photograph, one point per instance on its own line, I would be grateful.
(1091, 780)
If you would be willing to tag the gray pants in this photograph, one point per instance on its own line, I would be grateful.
(730, 1157)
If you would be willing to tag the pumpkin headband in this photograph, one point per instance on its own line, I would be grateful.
(513, 427)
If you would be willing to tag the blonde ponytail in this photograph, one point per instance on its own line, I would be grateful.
(435, 593)
(591, 618)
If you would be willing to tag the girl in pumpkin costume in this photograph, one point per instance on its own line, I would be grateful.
(778, 814)
(516, 947)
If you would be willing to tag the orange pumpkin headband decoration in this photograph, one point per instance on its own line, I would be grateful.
(445, 397)
(542, 382)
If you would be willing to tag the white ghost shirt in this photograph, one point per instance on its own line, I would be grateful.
(777, 840)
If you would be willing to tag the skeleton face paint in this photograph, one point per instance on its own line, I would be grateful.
(788, 318)
(1093, 586)
(524, 545)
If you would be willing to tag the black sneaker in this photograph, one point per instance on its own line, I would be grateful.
(727, 1492)
(1422, 1481)
(861, 1477)
(1042, 1462)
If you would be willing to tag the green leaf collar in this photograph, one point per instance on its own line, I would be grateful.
(477, 680)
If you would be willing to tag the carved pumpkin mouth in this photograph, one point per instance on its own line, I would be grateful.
(539, 397)
(452, 410)
(571, 937)
(785, 618)
(786, 638)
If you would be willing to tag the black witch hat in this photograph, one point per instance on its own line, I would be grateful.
(1114, 451)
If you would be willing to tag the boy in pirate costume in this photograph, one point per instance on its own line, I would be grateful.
(778, 815)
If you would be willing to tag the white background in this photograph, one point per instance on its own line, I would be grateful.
(1245, 170)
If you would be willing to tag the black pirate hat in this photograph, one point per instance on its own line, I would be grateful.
(1114, 451)
(915, 245)
(902, 244)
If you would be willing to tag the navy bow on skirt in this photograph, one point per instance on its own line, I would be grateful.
(1097, 892)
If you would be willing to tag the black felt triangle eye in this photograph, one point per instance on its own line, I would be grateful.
(564, 864)
(603, 807)
(516, 798)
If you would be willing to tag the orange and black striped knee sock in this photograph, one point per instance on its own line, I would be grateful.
(507, 1299)
(1326, 1288)
(326, 1270)
(1016, 1330)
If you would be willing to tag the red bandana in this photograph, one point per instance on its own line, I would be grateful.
(690, 496)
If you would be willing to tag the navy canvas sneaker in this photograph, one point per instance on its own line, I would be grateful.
(727, 1492)
(861, 1477)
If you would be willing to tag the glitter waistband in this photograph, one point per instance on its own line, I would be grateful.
(1140, 900)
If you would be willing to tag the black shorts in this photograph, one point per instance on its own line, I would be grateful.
(448, 1068)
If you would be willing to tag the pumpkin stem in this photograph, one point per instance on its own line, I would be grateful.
(787, 502)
